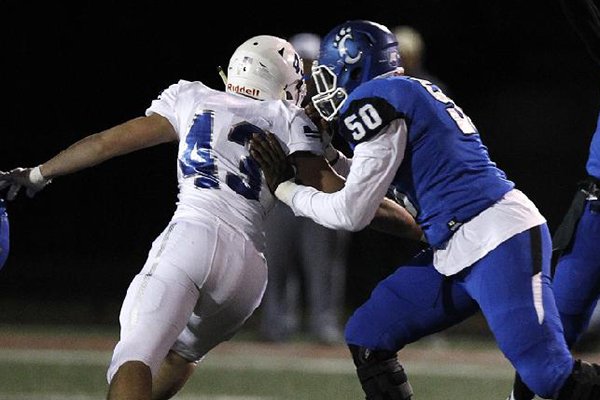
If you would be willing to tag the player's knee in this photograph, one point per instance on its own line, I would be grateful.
(381, 375)
(131, 350)
(583, 383)
(172, 376)
(543, 366)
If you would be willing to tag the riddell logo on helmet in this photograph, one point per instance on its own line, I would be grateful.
(243, 90)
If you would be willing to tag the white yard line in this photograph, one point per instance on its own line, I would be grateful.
(266, 363)
(60, 396)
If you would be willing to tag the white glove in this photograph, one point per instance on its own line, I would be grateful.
(31, 178)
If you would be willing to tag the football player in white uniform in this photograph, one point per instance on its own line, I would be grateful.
(205, 273)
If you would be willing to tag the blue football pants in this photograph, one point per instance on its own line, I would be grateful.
(511, 287)
(577, 277)
(4, 234)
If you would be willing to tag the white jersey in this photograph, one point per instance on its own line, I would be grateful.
(216, 174)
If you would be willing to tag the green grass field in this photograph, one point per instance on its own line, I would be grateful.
(48, 365)
(80, 375)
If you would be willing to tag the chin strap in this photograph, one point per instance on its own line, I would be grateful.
(222, 74)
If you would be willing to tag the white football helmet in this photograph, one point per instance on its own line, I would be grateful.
(266, 68)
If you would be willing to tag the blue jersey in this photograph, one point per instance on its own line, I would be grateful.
(446, 172)
(593, 163)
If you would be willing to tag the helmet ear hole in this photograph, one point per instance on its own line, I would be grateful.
(356, 74)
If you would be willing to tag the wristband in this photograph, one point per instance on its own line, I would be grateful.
(36, 177)
(285, 191)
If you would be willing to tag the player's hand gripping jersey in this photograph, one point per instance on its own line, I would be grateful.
(216, 174)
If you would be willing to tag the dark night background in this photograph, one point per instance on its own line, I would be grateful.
(514, 66)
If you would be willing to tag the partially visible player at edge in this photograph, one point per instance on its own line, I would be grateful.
(491, 247)
(205, 273)
(576, 279)
(4, 233)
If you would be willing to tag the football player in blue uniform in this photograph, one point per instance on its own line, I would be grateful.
(4, 233)
(490, 246)
(576, 278)
(577, 273)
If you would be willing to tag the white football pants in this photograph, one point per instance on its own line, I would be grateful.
(200, 283)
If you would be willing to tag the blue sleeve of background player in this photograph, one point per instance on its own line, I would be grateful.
(593, 163)
(4, 234)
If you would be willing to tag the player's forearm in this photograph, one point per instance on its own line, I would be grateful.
(341, 164)
(393, 219)
(121, 139)
(85, 153)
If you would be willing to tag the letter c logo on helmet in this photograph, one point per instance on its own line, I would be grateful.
(349, 52)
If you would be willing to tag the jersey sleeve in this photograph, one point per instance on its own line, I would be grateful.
(164, 105)
(342, 164)
(352, 208)
(304, 135)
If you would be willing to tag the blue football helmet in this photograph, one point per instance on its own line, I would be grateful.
(350, 54)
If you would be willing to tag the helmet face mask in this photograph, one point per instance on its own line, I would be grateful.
(266, 68)
(329, 98)
(352, 53)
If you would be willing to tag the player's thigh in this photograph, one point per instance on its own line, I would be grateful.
(413, 302)
(513, 288)
(162, 297)
(228, 297)
(577, 278)
(178, 264)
